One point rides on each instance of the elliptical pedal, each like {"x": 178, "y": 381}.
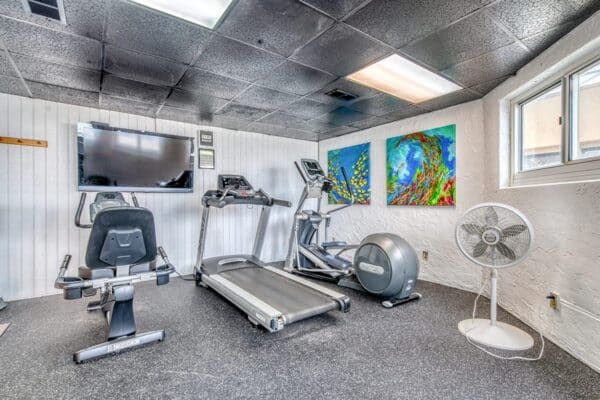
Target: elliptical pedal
{"x": 391, "y": 303}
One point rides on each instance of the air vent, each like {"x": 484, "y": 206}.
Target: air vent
{"x": 342, "y": 95}
{"x": 52, "y": 9}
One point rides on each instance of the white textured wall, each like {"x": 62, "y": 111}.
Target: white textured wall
{"x": 566, "y": 217}
{"x": 425, "y": 228}
{"x": 38, "y": 193}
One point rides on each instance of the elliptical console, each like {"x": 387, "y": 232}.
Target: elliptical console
{"x": 384, "y": 265}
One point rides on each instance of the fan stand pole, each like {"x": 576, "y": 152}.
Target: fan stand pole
{"x": 493, "y": 295}
{"x": 493, "y": 333}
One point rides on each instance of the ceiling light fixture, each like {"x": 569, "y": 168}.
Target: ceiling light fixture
{"x": 402, "y": 78}
{"x": 206, "y": 12}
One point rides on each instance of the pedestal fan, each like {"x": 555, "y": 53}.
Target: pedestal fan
{"x": 494, "y": 236}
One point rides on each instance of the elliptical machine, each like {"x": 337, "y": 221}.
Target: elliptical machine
{"x": 384, "y": 264}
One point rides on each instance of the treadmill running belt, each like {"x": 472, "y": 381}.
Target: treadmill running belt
{"x": 292, "y": 299}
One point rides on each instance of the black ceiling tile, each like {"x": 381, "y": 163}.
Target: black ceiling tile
{"x": 319, "y": 126}
{"x": 486, "y": 87}
{"x": 451, "y": 99}
{"x": 37, "y": 70}
{"x": 468, "y": 38}
{"x": 6, "y": 67}
{"x": 202, "y": 103}
{"x": 309, "y": 109}
{"x": 339, "y": 131}
{"x": 501, "y": 62}
{"x": 527, "y": 18}
{"x": 63, "y": 95}
{"x": 141, "y": 67}
{"x": 133, "y": 90}
{"x": 343, "y": 116}
{"x": 205, "y": 82}
{"x": 400, "y": 22}
{"x": 340, "y": 51}
{"x": 379, "y": 105}
{"x": 280, "y": 26}
{"x": 12, "y": 85}
{"x": 404, "y": 113}
{"x": 83, "y": 18}
{"x": 228, "y": 57}
{"x": 242, "y": 112}
{"x": 584, "y": 8}
{"x": 127, "y": 106}
{"x": 369, "y": 122}
{"x": 267, "y": 129}
{"x": 345, "y": 85}
{"x": 295, "y": 78}
{"x": 224, "y": 121}
{"x": 336, "y": 8}
{"x": 282, "y": 119}
{"x": 177, "y": 114}
{"x": 57, "y": 47}
{"x": 279, "y": 130}
{"x": 301, "y": 135}
{"x": 138, "y": 28}
{"x": 541, "y": 41}
{"x": 264, "y": 98}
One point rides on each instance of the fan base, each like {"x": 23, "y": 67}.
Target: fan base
{"x": 499, "y": 336}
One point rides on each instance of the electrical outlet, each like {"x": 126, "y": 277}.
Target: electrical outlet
{"x": 554, "y": 301}
{"x": 425, "y": 255}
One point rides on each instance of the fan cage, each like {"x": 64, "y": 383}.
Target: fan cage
{"x": 499, "y": 261}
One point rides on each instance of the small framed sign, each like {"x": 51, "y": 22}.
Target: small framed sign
{"x": 205, "y": 138}
{"x": 206, "y": 158}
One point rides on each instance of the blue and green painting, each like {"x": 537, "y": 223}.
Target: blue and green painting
{"x": 421, "y": 168}
{"x": 357, "y": 163}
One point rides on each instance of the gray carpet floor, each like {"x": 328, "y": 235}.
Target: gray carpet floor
{"x": 212, "y": 352}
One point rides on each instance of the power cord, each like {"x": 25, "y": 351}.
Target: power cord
{"x": 497, "y": 355}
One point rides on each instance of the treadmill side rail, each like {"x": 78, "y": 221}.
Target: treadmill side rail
{"x": 257, "y": 310}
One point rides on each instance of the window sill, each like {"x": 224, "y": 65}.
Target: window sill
{"x": 580, "y": 171}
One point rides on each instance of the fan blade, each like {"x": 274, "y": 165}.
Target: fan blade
{"x": 491, "y": 218}
{"x": 473, "y": 229}
{"x": 505, "y": 251}
{"x": 479, "y": 249}
{"x": 514, "y": 230}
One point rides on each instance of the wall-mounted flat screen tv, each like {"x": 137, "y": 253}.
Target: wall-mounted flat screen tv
{"x": 127, "y": 160}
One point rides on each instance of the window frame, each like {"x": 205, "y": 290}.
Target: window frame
{"x": 569, "y": 170}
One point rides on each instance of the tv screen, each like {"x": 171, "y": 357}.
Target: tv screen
{"x": 126, "y": 160}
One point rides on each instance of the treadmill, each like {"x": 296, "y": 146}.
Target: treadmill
{"x": 269, "y": 296}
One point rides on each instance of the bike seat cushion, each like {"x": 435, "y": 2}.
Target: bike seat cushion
{"x": 95, "y": 273}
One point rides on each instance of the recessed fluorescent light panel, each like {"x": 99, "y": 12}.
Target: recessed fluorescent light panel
{"x": 201, "y": 12}
{"x": 399, "y": 77}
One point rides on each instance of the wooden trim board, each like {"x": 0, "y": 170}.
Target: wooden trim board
{"x": 23, "y": 142}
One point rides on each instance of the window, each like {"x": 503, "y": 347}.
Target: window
{"x": 585, "y": 113}
{"x": 556, "y": 129}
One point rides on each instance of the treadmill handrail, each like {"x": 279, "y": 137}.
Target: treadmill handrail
{"x": 227, "y": 198}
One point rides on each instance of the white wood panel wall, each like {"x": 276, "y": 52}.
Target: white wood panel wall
{"x": 38, "y": 193}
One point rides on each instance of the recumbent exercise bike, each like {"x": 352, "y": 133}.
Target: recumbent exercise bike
{"x": 121, "y": 250}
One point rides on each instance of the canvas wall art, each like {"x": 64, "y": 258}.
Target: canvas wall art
{"x": 421, "y": 168}
{"x": 357, "y": 163}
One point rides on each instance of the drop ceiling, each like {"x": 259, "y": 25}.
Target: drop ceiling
{"x": 268, "y": 65}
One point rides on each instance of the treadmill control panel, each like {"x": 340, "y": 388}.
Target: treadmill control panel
{"x": 236, "y": 184}
{"x": 312, "y": 168}
{"x": 235, "y": 189}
